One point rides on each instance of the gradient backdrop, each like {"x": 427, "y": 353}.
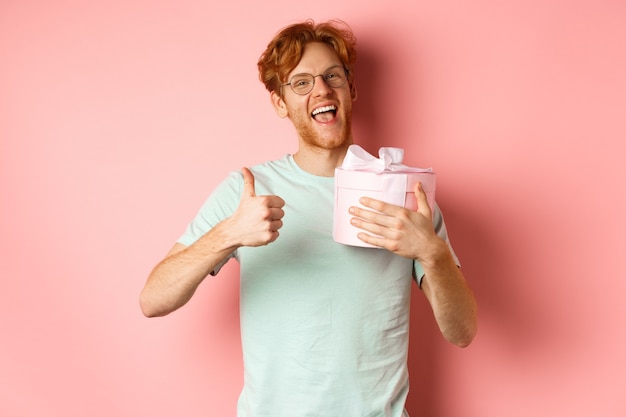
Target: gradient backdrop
{"x": 117, "y": 119}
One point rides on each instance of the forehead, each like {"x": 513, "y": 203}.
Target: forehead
{"x": 316, "y": 58}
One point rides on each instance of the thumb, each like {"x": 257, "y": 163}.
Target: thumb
{"x": 422, "y": 201}
{"x": 248, "y": 183}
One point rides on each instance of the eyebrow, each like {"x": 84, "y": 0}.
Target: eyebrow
{"x": 325, "y": 71}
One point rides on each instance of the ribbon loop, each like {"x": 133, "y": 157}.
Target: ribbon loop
{"x": 390, "y": 159}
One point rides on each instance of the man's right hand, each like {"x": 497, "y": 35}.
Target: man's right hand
{"x": 175, "y": 279}
{"x": 258, "y": 218}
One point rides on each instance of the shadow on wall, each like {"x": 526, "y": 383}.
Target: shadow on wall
{"x": 514, "y": 321}
{"x": 365, "y": 122}
{"x": 513, "y": 315}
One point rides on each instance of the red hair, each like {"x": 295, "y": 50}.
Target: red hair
{"x": 284, "y": 52}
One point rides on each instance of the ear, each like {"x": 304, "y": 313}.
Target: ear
{"x": 279, "y": 104}
{"x": 353, "y": 92}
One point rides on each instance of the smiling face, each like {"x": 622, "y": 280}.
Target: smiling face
{"x": 323, "y": 117}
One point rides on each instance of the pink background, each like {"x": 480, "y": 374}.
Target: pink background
{"x": 117, "y": 118}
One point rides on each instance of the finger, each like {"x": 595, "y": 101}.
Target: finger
{"x": 383, "y": 213}
{"x": 379, "y": 205}
{"x": 275, "y": 225}
{"x": 422, "y": 202}
{"x": 370, "y": 227}
{"x": 275, "y": 201}
{"x": 276, "y": 213}
{"x": 376, "y": 217}
{"x": 372, "y": 240}
{"x": 248, "y": 183}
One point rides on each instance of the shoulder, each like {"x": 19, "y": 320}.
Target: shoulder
{"x": 273, "y": 166}
{"x": 234, "y": 179}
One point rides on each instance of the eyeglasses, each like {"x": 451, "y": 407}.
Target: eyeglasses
{"x": 334, "y": 77}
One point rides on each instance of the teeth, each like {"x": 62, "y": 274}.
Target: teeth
{"x": 323, "y": 109}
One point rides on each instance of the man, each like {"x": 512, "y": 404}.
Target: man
{"x": 324, "y": 326}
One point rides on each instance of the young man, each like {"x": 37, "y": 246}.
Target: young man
{"x": 324, "y": 326}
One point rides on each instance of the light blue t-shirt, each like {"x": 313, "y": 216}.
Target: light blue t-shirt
{"x": 324, "y": 326}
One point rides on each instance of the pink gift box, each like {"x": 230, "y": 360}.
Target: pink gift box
{"x": 391, "y": 186}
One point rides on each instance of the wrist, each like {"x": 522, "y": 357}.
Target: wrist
{"x": 219, "y": 240}
{"x": 437, "y": 255}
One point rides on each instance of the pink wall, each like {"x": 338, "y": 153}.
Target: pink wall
{"x": 117, "y": 119}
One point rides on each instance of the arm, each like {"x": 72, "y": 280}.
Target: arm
{"x": 411, "y": 234}
{"x": 172, "y": 283}
{"x": 451, "y": 299}
{"x": 174, "y": 280}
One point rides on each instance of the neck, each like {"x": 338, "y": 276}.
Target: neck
{"x": 319, "y": 161}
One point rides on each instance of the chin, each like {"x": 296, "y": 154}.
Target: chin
{"x": 328, "y": 141}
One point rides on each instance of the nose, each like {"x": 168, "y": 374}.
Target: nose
{"x": 320, "y": 87}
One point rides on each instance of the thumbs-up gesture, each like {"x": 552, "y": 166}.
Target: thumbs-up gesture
{"x": 258, "y": 218}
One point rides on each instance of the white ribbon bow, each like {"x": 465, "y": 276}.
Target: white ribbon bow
{"x": 390, "y": 159}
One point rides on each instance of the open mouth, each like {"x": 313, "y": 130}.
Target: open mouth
{"x": 324, "y": 114}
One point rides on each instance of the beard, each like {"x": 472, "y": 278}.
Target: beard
{"x": 314, "y": 138}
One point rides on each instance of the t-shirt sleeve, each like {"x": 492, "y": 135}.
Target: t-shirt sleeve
{"x": 440, "y": 229}
{"x": 221, "y": 204}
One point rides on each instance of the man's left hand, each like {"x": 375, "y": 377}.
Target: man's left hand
{"x": 400, "y": 230}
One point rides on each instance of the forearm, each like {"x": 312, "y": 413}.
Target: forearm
{"x": 451, "y": 299}
{"x": 174, "y": 280}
